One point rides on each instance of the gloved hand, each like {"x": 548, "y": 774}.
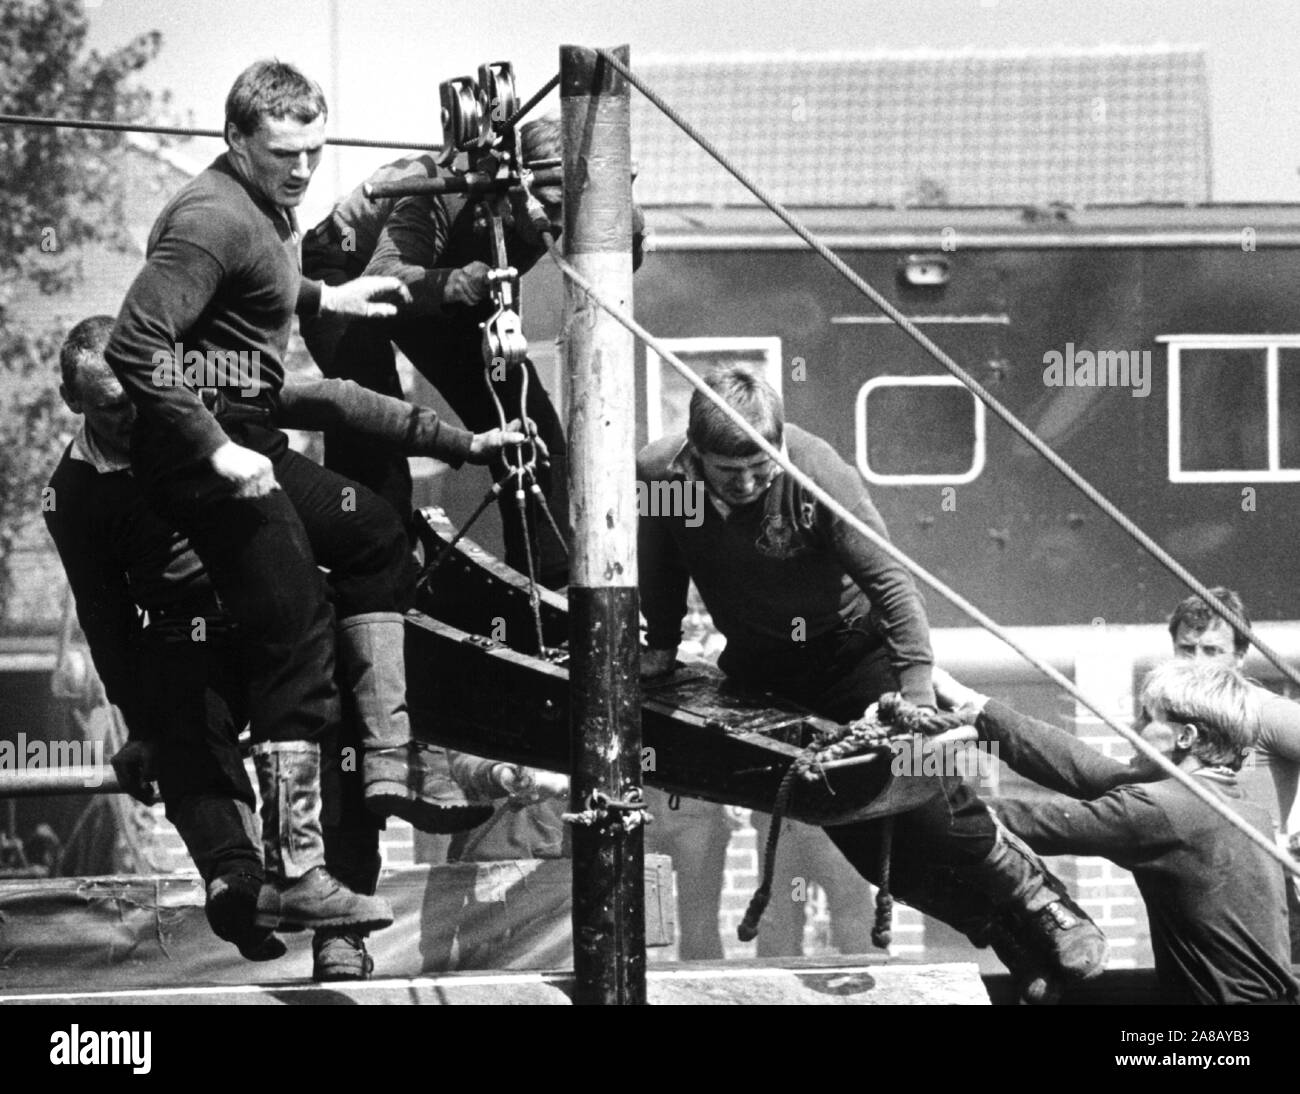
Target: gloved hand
{"x": 468, "y": 286}
{"x": 133, "y": 764}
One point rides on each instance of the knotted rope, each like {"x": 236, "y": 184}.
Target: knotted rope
{"x": 892, "y": 717}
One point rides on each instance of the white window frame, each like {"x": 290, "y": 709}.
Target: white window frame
{"x": 860, "y": 415}
{"x": 1270, "y": 344}
{"x": 654, "y": 365}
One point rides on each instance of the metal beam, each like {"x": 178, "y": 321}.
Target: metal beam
{"x": 42, "y": 782}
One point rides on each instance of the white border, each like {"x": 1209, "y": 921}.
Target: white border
{"x": 1270, "y": 344}
{"x": 860, "y": 415}
{"x": 654, "y": 365}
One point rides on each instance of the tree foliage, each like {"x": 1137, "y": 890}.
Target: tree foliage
{"x": 60, "y": 189}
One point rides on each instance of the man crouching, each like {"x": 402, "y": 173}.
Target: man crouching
{"x": 1214, "y": 899}
{"x": 819, "y": 615}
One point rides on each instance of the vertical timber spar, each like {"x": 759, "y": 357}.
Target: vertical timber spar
{"x": 604, "y": 642}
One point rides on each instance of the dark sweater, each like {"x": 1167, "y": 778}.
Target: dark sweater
{"x": 118, "y": 554}
{"x": 357, "y": 220}
{"x": 425, "y": 237}
{"x": 782, "y": 558}
{"x": 1215, "y": 901}
{"x": 221, "y": 274}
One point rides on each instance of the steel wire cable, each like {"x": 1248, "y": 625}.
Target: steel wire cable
{"x": 949, "y": 594}
{"x": 983, "y": 394}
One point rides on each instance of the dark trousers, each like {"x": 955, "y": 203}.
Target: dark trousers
{"x": 351, "y": 831}
{"x": 447, "y": 354}
{"x": 198, "y": 712}
{"x": 262, "y": 556}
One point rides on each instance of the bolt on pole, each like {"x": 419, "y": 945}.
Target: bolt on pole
{"x": 605, "y": 730}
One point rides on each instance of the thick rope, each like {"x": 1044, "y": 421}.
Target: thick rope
{"x": 918, "y": 571}
{"x": 35, "y": 122}
{"x": 748, "y": 929}
{"x": 882, "y": 932}
{"x": 892, "y": 716}
{"x": 983, "y": 394}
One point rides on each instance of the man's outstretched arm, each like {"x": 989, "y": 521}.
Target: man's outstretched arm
{"x": 1124, "y": 825}
{"x": 664, "y": 581}
{"x": 404, "y": 427}
{"x": 1040, "y": 752}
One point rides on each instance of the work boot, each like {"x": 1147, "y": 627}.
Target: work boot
{"x": 231, "y": 909}
{"x": 1038, "y": 915}
{"x": 220, "y": 834}
{"x": 340, "y": 955}
{"x": 300, "y": 894}
{"x": 940, "y": 894}
{"x": 403, "y": 777}
{"x": 1035, "y": 983}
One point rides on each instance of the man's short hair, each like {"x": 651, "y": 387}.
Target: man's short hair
{"x": 1198, "y": 615}
{"x": 84, "y": 349}
{"x": 1213, "y": 697}
{"x": 272, "y": 89}
{"x": 710, "y": 430}
{"x": 539, "y": 139}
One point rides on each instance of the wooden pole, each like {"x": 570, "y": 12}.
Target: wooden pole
{"x": 604, "y": 644}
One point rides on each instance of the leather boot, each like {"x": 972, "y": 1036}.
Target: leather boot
{"x": 219, "y": 833}
{"x": 299, "y": 892}
{"x": 403, "y": 777}
{"x": 1036, "y": 924}
{"x": 940, "y": 895}
{"x": 340, "y": 954}
{"x": 232, "y": 903}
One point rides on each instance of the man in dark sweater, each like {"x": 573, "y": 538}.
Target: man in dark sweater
{"x": 1214, "y": 899}
{"x": 814, "y": 613}
{"x": 439, "y": 247}
{"x": 176, "y": 675}
{"x": 1270, "y": 777}
{"x": 215, "y": 302}
{"x": 441, "y": 251}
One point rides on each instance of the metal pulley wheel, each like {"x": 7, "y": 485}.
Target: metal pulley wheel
{"x": 463, "y": 121}
{"x": 503, "y": 339}
{"x": 497, "y": 81}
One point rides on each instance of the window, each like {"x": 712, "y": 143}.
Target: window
{"x": 918, "y": 430}
{"x": 668, "y": 396}
{"x": 1234, "y": 407}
